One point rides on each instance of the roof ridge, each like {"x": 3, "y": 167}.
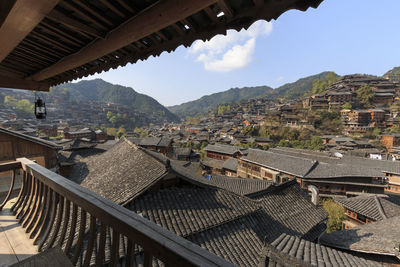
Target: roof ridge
{"x": 380, "y": 208}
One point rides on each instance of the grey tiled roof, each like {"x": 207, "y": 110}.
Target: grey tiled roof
{"x": 189, "y": 210}
{"x": 289, "y": 204}
{"x": 122, "y": 172}
{"x": 348, "y": 166}
{"x": 183, "y": 151}
{"x": 240, "y": 186}
{"x": 288, "y": 251}
{"x": 151, "y": 141}
{"x": 381, "y": 237}
{"x": 371, "y": 206}
{"x": 225, "y": 149}
{"x": 226, "y": 224}
{"x": 230, "y": 164}
{"x": 292, "y": 165}
{"x": 213, "y": 163}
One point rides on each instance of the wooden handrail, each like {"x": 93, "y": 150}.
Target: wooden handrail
{"x": 95, "y": 211}
{"x": 9, "y": 166}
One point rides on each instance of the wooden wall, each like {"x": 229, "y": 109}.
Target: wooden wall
{"x": 12, "y": 147}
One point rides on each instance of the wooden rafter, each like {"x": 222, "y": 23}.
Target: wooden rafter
{"x": 152, "y": 19}
{"x": 7, "y": 82}
{"x": 225, "y": 8}
{"x": 60, "y": 17}
{"x": 20, "y": 21}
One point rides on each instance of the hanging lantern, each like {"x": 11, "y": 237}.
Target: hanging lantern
{"x": 40, "y": 109}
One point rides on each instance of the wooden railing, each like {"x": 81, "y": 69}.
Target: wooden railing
{"x": 92, "y": 230}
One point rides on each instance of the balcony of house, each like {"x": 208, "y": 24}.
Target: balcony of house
{"x": 54, "y": 221}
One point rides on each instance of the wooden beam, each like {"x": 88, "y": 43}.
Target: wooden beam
{"x": 7, "y": 82}
{"x": 5, "y": 8}
{"x": 8, "y": 166}
{"x": 160, "y": 15}
{"x": 20, "y": 21}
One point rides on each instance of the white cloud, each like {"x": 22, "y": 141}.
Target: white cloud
{"x": 235, "y": 58}
{"x": 231, "y": 51}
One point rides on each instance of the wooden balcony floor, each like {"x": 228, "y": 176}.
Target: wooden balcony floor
{"x": 15, "y": 245}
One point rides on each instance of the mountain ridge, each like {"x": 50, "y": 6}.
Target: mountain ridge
{"x": 208, "y": 102}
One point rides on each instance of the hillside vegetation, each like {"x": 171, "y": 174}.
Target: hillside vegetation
{"x": 209, "y": 102}
{"x": 99, "y": 90}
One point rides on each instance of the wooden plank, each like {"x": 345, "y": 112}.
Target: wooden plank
{"x": 160, "y": 15}
{"x": 20, "y": 21}
{"x": 15, "y": 83}
{"x": 49, "y": 258}
{"x": 7, "y": 255}
{"x": 22, "y": 247}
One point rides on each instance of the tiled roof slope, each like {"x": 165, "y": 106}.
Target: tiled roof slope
{"x": 288, "y": 204}
{"x": 236, "y": 235}
{"x": 122, "y": 172}
{"x": 239, "y": 241}
{"x": 381, "y": 237}
{"x": 225, "y": 149}
{"x": 347, "y": 164}
{"x": 288, "y": 251}
{"x": 293, "y": 165}
{"x": 151, "y": 141}
{"x": 230, "y": 164}
{"x": 189, "y": 210}
{"x": 240, "y": 186}
{"x": 371, "y": 206}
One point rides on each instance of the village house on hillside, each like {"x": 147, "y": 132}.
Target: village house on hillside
{"x": 368, "y": 208}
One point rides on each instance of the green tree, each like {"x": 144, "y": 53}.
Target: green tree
{"x": 223, "y": 109}
{"x": 113, "y": 120}
{"x": 319, "y": 86}
{"x": 121, "y": 132}
{"x": 347, "y": 105}
{"x": 366, "y": 94}
{"x": 10, "y": 101}
{"x": 141, "y": 132}
{"x": 111, "y": 131}
{"x": 376, "y": 131}
{"x": 336, "y": 215}
{"x": 109, "y": 115}
{"x": 316, "y": 143}
{"x": 24, "y": 106}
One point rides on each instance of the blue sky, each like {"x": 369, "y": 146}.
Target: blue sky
{"x": 345, "y": 36}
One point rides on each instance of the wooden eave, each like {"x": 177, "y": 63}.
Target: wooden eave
{"x": 63, "y": 40}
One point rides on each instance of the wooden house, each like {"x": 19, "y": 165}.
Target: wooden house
{"x": 332, "y": 176}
